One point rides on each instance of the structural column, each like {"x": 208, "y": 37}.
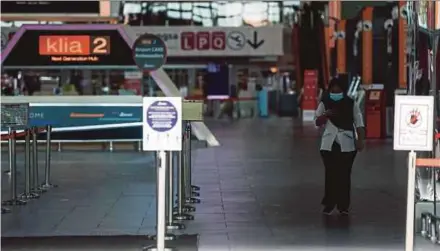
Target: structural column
{"x": 367, "y": 48}
{"x": 341, "y": 57}
{"x": 402, "y": 69}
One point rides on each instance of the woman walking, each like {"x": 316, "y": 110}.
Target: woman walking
{"x": 342, "y": 138}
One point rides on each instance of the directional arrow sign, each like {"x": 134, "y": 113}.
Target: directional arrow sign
{"x": 255, "y": 43}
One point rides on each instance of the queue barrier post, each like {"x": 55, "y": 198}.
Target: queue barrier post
{"x": 36, "y": 188}
{"x": 180, "y": 211}
{"x": 168, "y": 217}
{"x": 190, "y": 194}
{"x": 47, "y": 184}
{"x": 28, "y": 194}
{"x": 161, "y": 235}
{"x": 430, "y": 222}
{"x": 14, "y": 200}
{"x": 186, "y": 189}
{"x": 171, "y": 224}
{"x": 10, "y": 131}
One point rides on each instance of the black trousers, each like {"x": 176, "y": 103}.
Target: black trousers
{"x": 338, "y": 167}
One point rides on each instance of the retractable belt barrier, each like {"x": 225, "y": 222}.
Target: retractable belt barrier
{"x": 167, "y": 130}
{"x": 170, "y": 212}
{"x": 33, "y": 188}
{"x": 178, "y": 210}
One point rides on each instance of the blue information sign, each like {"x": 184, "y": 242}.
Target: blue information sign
{"x": 162, "y": 116}
{"x": 149, "y": 52}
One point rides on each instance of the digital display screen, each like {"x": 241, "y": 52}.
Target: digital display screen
{"x": 50, "y": 7}
{"x": 70, "y": 48}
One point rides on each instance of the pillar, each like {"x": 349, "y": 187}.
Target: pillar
{"x": 402, "y": 49}
{"x": 367, "y": 48}
{"x": 341, "y": 57}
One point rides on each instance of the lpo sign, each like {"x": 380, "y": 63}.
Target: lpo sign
{"x": 203, "y": 40}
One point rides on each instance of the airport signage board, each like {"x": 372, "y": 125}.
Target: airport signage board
{"x": 195, "y": 41}
{"x": 149, "y": 52}
{"x": 413, "y": 123}
{"x": 46, "y": 48}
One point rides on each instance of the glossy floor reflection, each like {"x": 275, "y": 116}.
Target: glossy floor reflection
{"x": 260, "y": 191}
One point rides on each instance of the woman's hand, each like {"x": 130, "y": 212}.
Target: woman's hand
{"x": 329, "y": 113}
{"x": 360, "y": 145}
{"x": 321, "y": 120}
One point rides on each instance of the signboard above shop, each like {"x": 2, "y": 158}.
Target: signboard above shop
{"x": 46, "y": 47}
{"x": 194, "y": 41}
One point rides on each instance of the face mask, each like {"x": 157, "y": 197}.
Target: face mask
{"x": 336, "y": 96}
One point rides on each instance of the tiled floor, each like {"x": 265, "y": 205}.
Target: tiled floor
{"x": 260, "y": 191}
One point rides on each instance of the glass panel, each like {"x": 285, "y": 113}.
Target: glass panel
{"x": 173, "y": 6}
{"x": 173, "y": 14}
{"x": 208, "y": 23}
{"x": 186, "y": 6}
{"x": 187, "y": 15}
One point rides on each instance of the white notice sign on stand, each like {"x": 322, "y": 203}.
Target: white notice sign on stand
{"x": 413, "y": 123}
{"x": 162, "y": 124}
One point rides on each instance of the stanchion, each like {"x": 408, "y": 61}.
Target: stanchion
{"x": 35, "y": 167}
{"x": 9, "y": 151}
{"x": 28, "y": 194}
{"x": 171, "y": 225}
{"x": 168, "y": 236}
{"x": 194, "y": 188}
{"x": 161, "y": 205}
{"x": 110, "y": 146}
{"x": 409, "y": 238}
{"x": 13, "y": 164}
{"x": 184, "y": 181}
{"x": 190, "y": 194}
{"x": 47, "y": 185}
{"x": 180, "y": 214}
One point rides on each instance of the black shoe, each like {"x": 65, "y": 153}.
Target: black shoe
{"x": 328, "y": 210}
{"x": 344, "y": 212}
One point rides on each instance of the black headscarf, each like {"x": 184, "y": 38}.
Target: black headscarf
{"x": 342, "y": 109}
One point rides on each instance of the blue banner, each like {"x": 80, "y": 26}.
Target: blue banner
{"x": 83, "y": 116}
{"x": 88, "y": 122}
